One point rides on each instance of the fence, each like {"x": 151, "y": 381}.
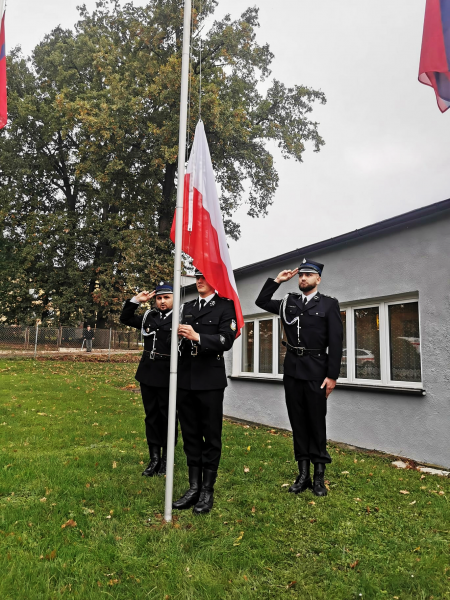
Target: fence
{"x": 59, "y": 339}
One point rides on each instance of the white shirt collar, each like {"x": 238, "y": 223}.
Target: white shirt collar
{"x": 207, "y": 299}
{"x": 308, "y": 298}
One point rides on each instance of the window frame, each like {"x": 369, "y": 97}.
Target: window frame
{"x": 385, "y": 347}
{"x": 349, "y": 307}
{"x": 237, "y": 349}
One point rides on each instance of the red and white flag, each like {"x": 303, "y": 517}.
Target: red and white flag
{"x": 3, "y": 108}
{"x": 203, "y": 232}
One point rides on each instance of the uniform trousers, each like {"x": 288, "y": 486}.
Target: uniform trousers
{"x": 156, "y": 406}
{"x": 307, "y": 408}
{"x": 201, "y": 416}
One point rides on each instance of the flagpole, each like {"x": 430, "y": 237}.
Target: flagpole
{"x": 2, "y": 8}
{"x": 177, "y": 262}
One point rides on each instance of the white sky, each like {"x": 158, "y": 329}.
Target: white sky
{"x": 386, "y": 140}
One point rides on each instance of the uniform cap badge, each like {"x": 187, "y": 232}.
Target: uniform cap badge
{"x": 304, "y": 260}
{"x": 161, "y": 283}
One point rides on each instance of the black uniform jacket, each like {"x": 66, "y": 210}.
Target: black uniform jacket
{"x": 153, "y": 372}
{"x": 319, "y": 327}
{"x": 216, "y": 324}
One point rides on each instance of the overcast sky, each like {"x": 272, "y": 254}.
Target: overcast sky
{"x": 386, "y": 148}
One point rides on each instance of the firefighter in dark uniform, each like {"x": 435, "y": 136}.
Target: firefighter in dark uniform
{"x": 207, "y": 330}
{"x": 153, "y": 372}
{"x": 313, "y": 328}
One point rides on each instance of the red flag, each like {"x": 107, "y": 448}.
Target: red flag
{"x": 203, "y": 232}
{"x": 434, "y": 69}
{"x": 3, "y": 108}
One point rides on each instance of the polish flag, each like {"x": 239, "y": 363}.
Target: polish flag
{"x": 3, "y": 109}
{"x": 203, "y": 232}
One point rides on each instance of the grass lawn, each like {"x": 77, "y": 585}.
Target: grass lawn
{"x": 78, "y": 520}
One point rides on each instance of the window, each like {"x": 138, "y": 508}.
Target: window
{"x": 260, "y": 351}
{"x": 382, "y": 344}
{"x": 248, "y": 338}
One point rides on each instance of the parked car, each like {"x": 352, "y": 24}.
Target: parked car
{"x": 362, "y": 356}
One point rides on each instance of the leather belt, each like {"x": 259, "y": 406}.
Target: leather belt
{"x": 156, "y": 355}
{"x": 299, "y": 351}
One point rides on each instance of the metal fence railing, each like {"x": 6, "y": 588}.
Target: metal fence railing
{"x": 18, "y": 339}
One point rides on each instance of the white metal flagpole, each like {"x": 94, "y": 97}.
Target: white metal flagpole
{"x": 177, "y": 263}
{"x": 2, "y": 8}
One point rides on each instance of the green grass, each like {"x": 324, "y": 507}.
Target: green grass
{"x": 63, "y": 427}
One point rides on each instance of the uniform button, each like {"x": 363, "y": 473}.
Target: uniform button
{"x": 196, "y": 323}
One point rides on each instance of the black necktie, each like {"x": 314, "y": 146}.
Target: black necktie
{"x": 202, "y": 304}
{"x": 305, "y": 300}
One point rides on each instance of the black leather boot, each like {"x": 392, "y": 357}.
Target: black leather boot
{"x": 192, "y": 495}
{"x": 163, "y": 465}
{"x": 155, "y": 462}
{"x": 303, "y": 481}
{"x": 206, "y": 499}
{"x": 319, "y": 488}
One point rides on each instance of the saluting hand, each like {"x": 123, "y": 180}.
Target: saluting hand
{"x": 145, "y": 296}
{"x": 187, "y": 332}
{"x": 286, "y": 275}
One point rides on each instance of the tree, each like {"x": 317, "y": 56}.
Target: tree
{"x": 89, "y": 159}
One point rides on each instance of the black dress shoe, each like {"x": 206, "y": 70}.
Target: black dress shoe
{"x": 319, "y": 488}
{"x": 155, "y": 462}
{"x": 192, "y": 495}
{"x": 163, "y": 465}
{"x": 303, "y": 481}
{"x": 206, "y": 499}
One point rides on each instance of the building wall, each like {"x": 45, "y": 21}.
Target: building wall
{"x": 414, "y": 258}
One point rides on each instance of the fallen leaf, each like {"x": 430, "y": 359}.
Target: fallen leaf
{"x": 289, "y": 585}
{"x": 345, "y": 473}
{"x": 246, "y": 470}
{"x": 253, "y": 509}
{"x": 422, "y": 477}
{"x": 248, "y": 448}
{"x": 357, "y": 499}
{"x": 51, "y": 556}
{"x": 404, "y": 492}
{"x": 285, "y": 485}
{"x": 312, "y": 520}
{"x": 353, "y": 565}
{"x": 413, "y": 502}
{"x": 312, "y": 502}
{"x": 368, "y": 509}
{"x": 237, "y": 540}
{"x": 114, "y": 465}
{"x": 441, "y": 493}
{"x": 69, "y": 523}
{"x": 355, "y": 460}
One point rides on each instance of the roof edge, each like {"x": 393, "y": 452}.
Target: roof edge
{"x": 397, "y": 221}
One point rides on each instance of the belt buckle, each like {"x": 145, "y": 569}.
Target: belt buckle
{"x": 300, "y": 351}
{"x": 194, "y": 351}
{"x": 152, "y": 355}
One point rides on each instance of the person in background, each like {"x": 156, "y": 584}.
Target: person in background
{"x": 88, "y": 337}
{"x": 153, "y": 372}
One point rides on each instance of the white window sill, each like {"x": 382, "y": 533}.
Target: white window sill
{"x": 386, "y": 389}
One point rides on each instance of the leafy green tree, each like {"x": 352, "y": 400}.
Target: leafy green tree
{"x": 88, "y": 170}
